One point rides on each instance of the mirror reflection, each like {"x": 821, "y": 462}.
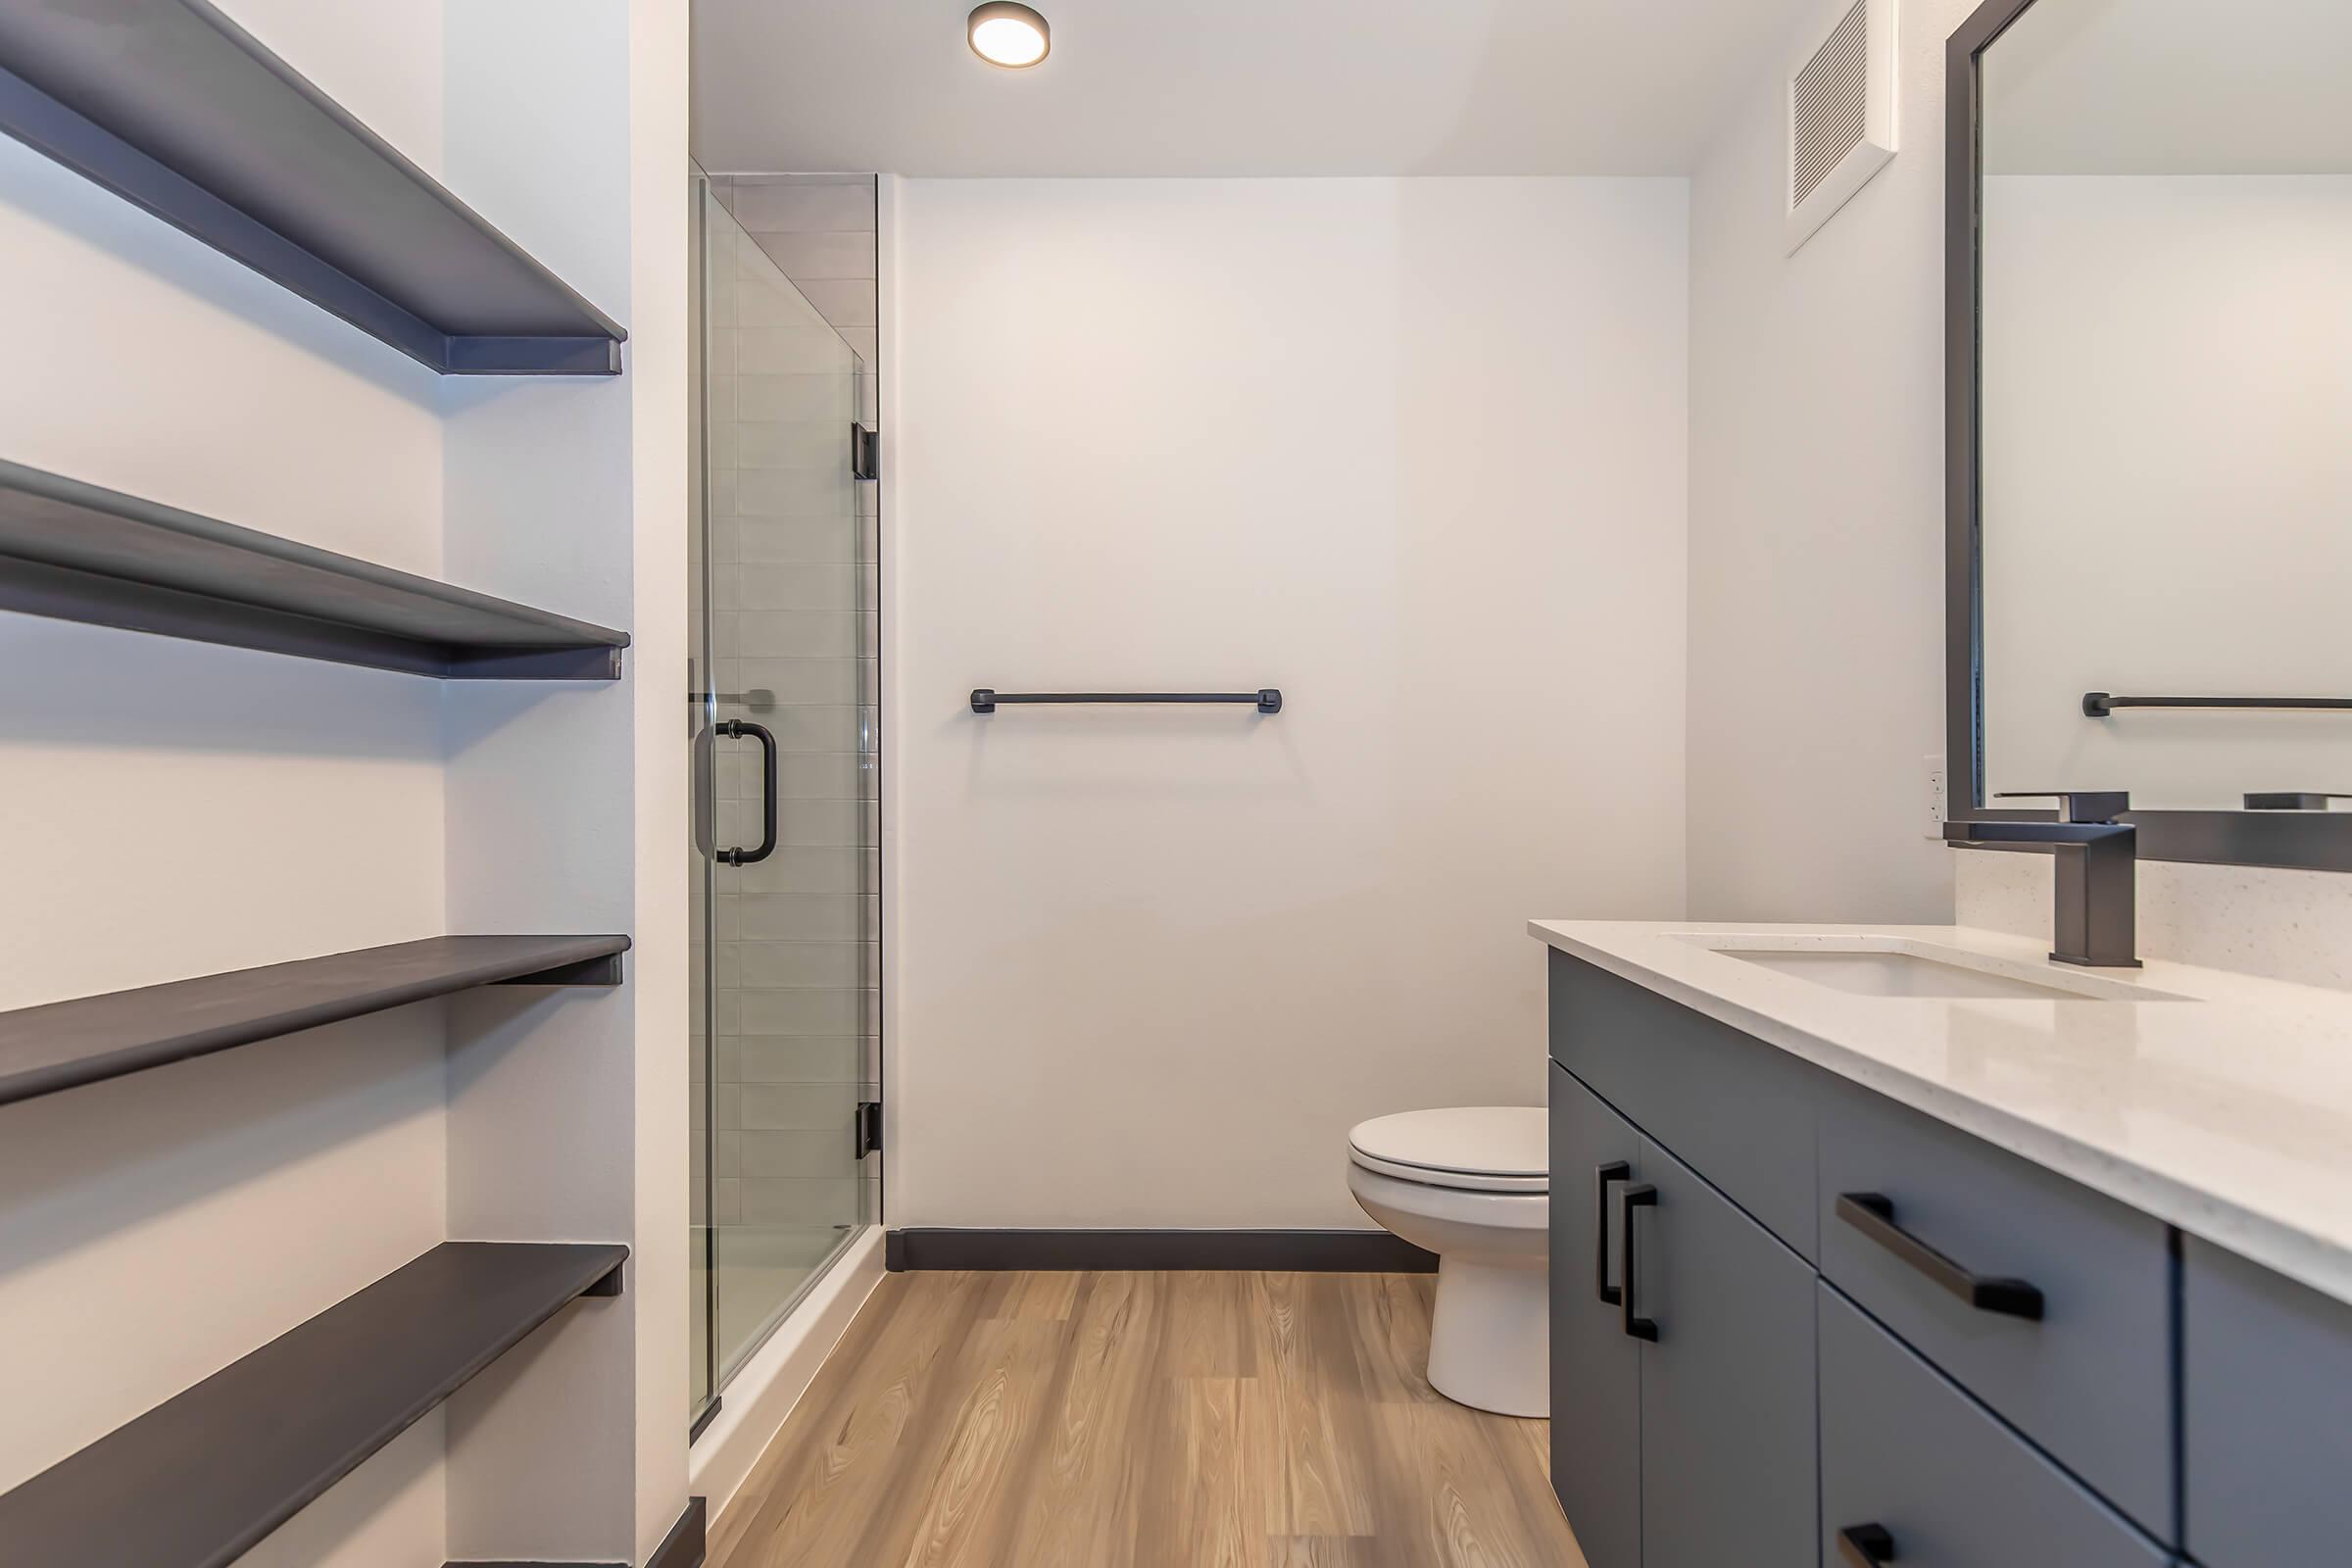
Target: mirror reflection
{"x": 2166, "y": 335}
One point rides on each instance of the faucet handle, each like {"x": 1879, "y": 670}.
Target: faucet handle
{"x": 2078, "y": 806}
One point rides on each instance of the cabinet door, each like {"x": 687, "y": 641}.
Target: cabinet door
{"x": 1904, "y": 1451}
{"x": 1596, "y": 1370}
{"x": 1729, "y": 1458}
{"x": 2268, "y": 1436}
{"x": 2090, "y": 1380}
{"x": 1737, "y": 1111}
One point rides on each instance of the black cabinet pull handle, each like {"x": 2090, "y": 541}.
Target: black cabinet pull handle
{"x": 1632, "y": 1197}
{"x": 1602, "y": 1176}
{"x": 1866, "y": 1545}
{"x": 737, "y": 729}
{"x": 1873, "y": 1214}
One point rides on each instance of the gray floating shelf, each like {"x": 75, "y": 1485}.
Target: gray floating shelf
{"x": 174, "y": 108}
{"x": 196, "y": 1481}
{"x": 63, "y": 1044}
{"x": 72, "y": 550}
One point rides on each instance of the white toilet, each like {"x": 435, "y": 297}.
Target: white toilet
{"x": 1471, "y": 1185}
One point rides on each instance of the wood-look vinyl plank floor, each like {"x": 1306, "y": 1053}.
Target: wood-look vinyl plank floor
{"x": 1111, "y": 1420}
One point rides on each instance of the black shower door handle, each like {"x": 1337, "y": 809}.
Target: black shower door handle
{"x": 1604, "y": 1177}
{"x": 736, "y": 730}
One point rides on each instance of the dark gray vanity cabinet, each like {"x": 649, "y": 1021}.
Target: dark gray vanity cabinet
{"x": 1728, "y": 1463}
{"x": 1741, "y": 1116}
{"x": 1595, "y": 1365}
{"x": 1682, "y": 1418}
{"x": 2088, "y": 1376}
{"x": 2266, "y": 1364}
{"x": 1907, "y": 1452}
{"x": 1977, "y": 1360}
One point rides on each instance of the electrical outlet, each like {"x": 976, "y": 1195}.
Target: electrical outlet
{"x": 1939, "y": 802}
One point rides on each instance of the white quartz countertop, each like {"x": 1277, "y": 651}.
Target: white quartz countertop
{"x": 2226, "y": 1111}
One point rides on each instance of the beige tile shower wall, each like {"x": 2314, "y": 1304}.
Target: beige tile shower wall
{"x": 819, "y": 231}
{"x": 796, "y": 938}
{"x": 700, "y": 388}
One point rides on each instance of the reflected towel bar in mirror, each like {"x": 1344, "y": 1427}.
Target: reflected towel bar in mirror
{"x": 2098, "y": 705}
{"x": 1266, "y": 699}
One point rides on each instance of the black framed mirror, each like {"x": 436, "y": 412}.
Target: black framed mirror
{"x": 2148, "y": 535}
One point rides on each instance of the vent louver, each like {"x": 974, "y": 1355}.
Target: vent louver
{"x": 1829, "y": 95}
{"x": 1840, "y": 114}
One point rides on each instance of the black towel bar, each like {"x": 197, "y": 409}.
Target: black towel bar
{"x": 1267, "y": 701}
{"x": 2098, "y": 705}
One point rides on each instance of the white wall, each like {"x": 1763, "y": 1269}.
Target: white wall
{"x": 2167, "y": 478}
{"x": 660, "y": 475}
{"x": 568, "y": 1117}
{"x": 1411, "y": 451}
{"x": 175, "y": 809}
{"x": 1817, "y": 523}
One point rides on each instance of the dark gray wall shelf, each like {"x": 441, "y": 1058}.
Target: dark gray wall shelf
{"x": 62, "y": 1045}
{"x": 178, "y": 109}
{"x": 72, "y": 550}
{"x": 196, "y": 1481}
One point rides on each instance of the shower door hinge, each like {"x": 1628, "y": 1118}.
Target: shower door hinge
{"x": 865, "y": 453}
{"x": 867, "y": 1128}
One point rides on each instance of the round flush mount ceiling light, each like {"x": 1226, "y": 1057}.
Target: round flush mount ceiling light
{"x": 1006, "y": 34}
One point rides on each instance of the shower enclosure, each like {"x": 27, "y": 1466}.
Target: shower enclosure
{"x": 784, "y": 849}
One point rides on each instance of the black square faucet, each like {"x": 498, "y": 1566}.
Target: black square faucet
{"x": 2094, "y": 922}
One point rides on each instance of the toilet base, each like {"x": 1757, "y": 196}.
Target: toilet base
{"x": 1489, "y": 1342}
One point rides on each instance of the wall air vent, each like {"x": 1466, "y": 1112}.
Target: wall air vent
{"x": 1841, "y": 115}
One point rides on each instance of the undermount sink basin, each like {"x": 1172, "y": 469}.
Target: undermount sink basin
{"x": 1877, "y": 967}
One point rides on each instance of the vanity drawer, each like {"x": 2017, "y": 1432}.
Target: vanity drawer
{"x": 1733, "y": 1108}
{"x": 2090, "y": 1379}
{"x": 2266, "y": 1366}
{"x": 1904, "y": 1449}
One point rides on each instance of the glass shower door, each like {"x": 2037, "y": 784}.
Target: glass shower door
{"x": 787, "y": 864}
{"x": 702, "y": 1240}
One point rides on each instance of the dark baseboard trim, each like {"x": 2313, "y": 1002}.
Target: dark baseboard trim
{"x": 683, "y": 1546}
{"x": 1308, "y": 1252}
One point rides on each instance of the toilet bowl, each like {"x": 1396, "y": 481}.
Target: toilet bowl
{"x": 1471, "y": 1185}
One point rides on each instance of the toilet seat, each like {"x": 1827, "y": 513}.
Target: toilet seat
{"x": 1471, "y": 1185}
{"x": 1474, "y": 1149}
